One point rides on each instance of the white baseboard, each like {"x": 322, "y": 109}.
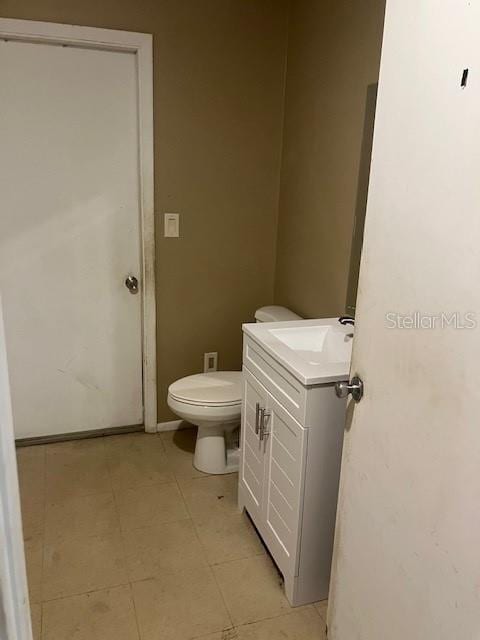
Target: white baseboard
{"x": 172, "y": 425}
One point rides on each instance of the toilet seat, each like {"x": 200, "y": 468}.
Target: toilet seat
{"x": 215, "y": 389}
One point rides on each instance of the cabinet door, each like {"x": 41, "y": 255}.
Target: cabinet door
{"x": 252, "y": 461}
{"x": 285, "y": 444}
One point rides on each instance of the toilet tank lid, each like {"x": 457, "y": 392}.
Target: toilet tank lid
{"x": 275, "y": 313}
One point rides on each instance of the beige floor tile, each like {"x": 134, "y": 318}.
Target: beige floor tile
{"x": 136, "y": 460}
{"x": 75, "y": 448}
{"x": 150, "y": 506}
{"x": 34, "y": 561}
{"x": 36, "y": 615}
{"x": 226, "y": 538}
{"x": 81, "y": 516}
{"x": 31, "y": 453}
{"x": 179, "y": 448}
{"x": 106, "y": 615}
{"x": 76, "y": 468}
{"x": 321, "y": 607}
{"x": 31, "y": 484}
{"x": 31, "y": 472}
{"x": 252, "y": 589}
{"x": 139, "y": 441}
{"x": 33, "y": 516}
{"x": 176, "y": 595}
{"x": 31, "y": 479}
{"x": 226, "y": 634}
{"x": 210, "y": 497}
{"x": 180, "y": 605}
{"x": 298, "y": 625}
{"x": 76, "y": 565}
{"x": 167, "y": 547}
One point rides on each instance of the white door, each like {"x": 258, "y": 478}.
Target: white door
{"x": 69, "y": 236}
{"x": 407, "y": 557}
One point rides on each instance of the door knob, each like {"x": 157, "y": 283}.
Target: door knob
{"x": 354, "y": 388}
{"x": 131, "y": 283}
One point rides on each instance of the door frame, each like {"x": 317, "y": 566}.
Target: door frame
{"x": 139, "y": 44}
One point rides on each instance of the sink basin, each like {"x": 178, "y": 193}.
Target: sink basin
{"x": 314, "y": 351}
{"x": 317, "y": 344}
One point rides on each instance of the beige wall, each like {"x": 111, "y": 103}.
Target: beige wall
{"x": 333, "y": 57}
{"x": 219, "y": 77}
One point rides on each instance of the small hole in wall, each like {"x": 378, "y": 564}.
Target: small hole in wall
{"x": 463, "y": 84}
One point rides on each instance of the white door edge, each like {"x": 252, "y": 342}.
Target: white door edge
{"x": 14, "y": 604}
{"x": 141, "y": 45}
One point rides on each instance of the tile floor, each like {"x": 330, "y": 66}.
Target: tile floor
{"x": 125, "y": 540}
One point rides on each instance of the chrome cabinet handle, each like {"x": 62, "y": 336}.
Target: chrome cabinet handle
{"x": 257, "y": 417}
{"x": 264, "y": 413}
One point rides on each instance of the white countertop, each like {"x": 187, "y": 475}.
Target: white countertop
{"x": 314, "y": 351}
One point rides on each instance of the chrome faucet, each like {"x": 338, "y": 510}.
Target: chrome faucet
{"x": 347, "y": 320}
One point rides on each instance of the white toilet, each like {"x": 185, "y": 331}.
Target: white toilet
{"x": 212, "y": 401}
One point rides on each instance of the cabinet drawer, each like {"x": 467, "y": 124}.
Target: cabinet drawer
{"x": 278, "y": 381}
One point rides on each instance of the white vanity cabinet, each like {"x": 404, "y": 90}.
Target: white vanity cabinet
{"x": 291, "y": 441}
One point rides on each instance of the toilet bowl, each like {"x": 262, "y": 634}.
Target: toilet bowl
{"x": 212, "y": 402}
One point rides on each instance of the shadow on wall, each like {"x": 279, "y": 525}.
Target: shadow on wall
{"x": 362, "y": 197}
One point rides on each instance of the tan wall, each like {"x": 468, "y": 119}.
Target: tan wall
{"x": 219, "y": 77}
{"x": 333, "y": 57}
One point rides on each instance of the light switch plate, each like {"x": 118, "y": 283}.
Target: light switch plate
{"x": 172, "y": 225}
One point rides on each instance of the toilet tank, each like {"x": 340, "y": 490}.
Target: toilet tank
{"x": 275, "y": 313}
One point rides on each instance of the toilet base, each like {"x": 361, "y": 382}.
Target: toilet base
{"x": 215, "y": 450}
